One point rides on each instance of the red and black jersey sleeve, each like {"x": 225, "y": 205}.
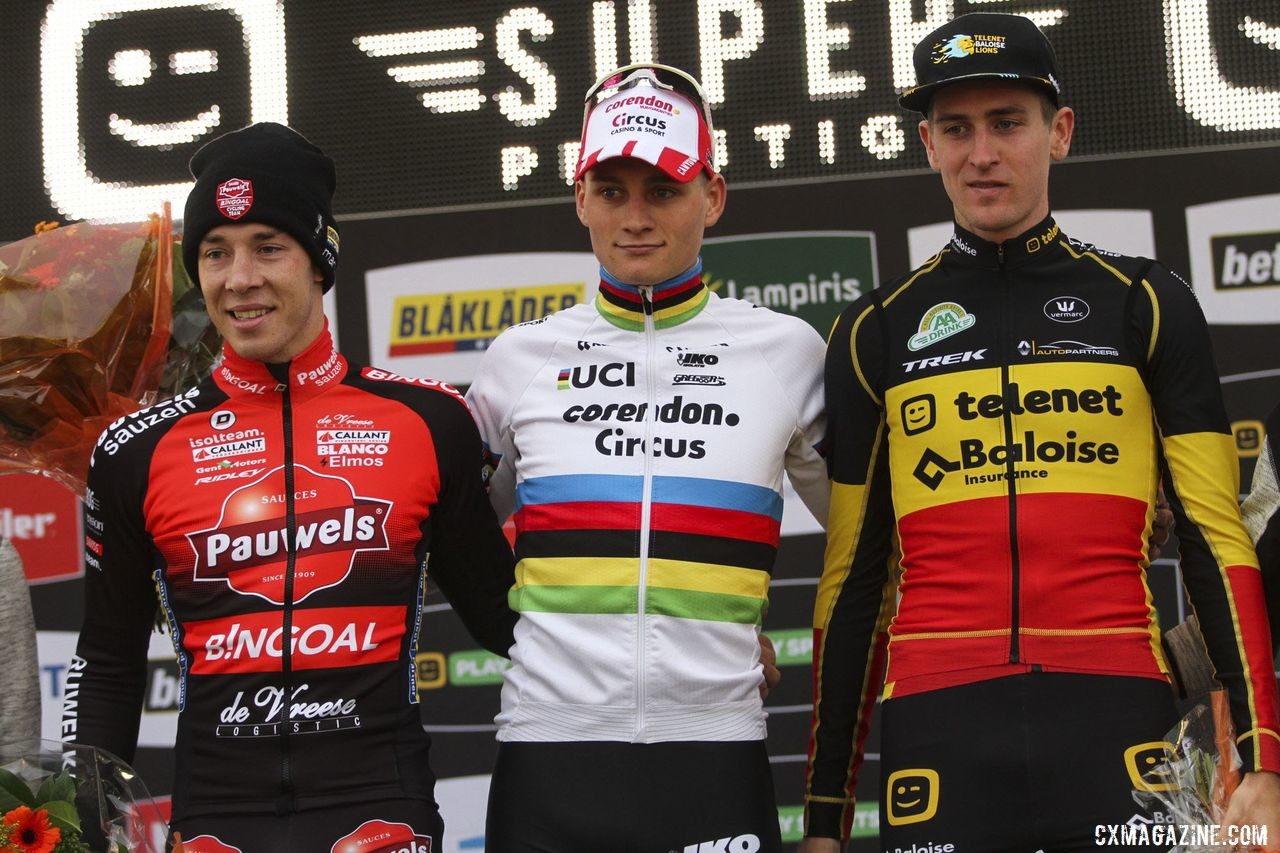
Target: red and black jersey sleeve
{"x": 105, "y": 684}
{"x": 1262, "y": 517}
{"x": 856, "y": 591}
{"x": 1202, "y": 480}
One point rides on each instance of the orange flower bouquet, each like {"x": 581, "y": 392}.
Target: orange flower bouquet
{"x": 79, "y": 801}
{"x": 96, "y": 321}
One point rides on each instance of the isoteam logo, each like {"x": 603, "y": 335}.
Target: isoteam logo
{"x": 249, "y": 546}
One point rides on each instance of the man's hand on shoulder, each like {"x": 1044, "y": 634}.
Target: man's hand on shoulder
{"x": 1256, "y": 803}
{"x": 768, "y": 660}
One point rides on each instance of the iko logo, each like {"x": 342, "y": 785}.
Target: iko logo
{"x": 941, "y": 321}
{"x": 732, "y": 844}
{"x": 222, "y": 419}
{"x": 613, "y": 375}
{"x": 1246, "y": 260}
{"x": 696, "y": 359}
{"x": 1066, "y": 309}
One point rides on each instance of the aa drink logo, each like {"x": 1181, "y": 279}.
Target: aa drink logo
{"x": 248, "y": 548}
{"x": 812, "y": 275}
{"x": 379, "y": 836}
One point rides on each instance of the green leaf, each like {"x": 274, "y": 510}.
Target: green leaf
{"x": 64, "y": 787}
{"x": 45, "y": 794}
{"x": 63, "y": 815}
{"x": 13, "y": 791}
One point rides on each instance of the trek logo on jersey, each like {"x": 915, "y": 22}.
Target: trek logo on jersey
{"x": 380, "y": 836}
{"x": 1066, "y": 309}
{"x": 941, "y": 321}
{"x": 1059, "y": 348}
{"x": 321, "y": 638}
{"x": 613, "y": 375}
{"x": 941, "y": 360}
{"x": 732, "y": 844}
{"x": 248, "y": 547}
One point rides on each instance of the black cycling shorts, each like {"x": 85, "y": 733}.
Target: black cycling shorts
{"x": 1041, "y": 761}
{"x": 393, "y": 826}
{"x": 632, "y": 798}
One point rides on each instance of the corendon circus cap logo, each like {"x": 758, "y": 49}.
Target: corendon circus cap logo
{"x": 248, "y": 547}
{"x": 941, "y": 321}
{"x": 379, "y": 836}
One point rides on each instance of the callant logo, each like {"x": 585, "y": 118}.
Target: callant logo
{"x": 380, "y": 836}
{"x": 248, "y": 548}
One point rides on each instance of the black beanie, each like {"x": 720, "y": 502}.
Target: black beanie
{"x": 266, "y": 173}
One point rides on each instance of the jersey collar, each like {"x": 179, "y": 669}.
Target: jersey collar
{"x": 310, "y": 372}
{"x": 1044, "y": 235}
{"x": 674, "y": 301}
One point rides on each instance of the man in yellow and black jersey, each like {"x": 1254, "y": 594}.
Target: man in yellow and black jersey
{"x": 998, "y": 422}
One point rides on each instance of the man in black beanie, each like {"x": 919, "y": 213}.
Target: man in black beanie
{"x": 999, "y": 420}
{"x": 289, "y": 495}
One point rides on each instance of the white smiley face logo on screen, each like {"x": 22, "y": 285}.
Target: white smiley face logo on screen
{"x": 175, "y": 91}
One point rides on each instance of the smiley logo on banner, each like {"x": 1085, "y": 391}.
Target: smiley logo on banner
{"x": 248, "y": 548}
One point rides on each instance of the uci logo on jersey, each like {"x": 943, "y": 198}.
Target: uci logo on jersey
{"x": 613, "y": 375}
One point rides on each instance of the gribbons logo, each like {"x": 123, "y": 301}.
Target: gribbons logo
{"x": 941, "y": 321}
{"x": 380, "y": 836}
{"x": 247, "y": 548}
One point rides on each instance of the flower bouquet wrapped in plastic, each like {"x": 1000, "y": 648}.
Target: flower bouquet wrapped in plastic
{"x": 79, "y": 801}
{"x": 96, "y": 321}
{"x": 1200, "y": 771}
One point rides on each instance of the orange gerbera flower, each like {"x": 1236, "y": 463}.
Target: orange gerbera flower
{"x": 31, "y": 830}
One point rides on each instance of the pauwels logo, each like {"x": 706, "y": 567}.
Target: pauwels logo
{"x": 941, "y": 321}
{"x": 234, "y": 197}
{"x": 380, "y": 836}
{"x": 248, "y": 548}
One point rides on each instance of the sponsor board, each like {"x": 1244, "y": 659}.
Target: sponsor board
{"x": 159, "y": 724}
{"x": 435, "y": 318}
{"x": 1129, "y": 232}
{"x": 476, "y": 667}
{"x": 462, "y": 802}
{"x": 42, "y": 520}
{"x": 811, "y": 274}
{"x": 866, "y": 821}
{"x": 1235, "y": 259}
{"x": 794, "y": 646}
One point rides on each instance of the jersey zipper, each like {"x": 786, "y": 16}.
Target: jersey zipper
{"x": 285, "y": 802}
{"x": 646, "y": 512}
{"x": 1006, "y": 357}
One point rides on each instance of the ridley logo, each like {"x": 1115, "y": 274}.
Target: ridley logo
{"x": 234, "y": 197}
{"x": 248, "y": 548}
{"x": 379, "y": 836}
